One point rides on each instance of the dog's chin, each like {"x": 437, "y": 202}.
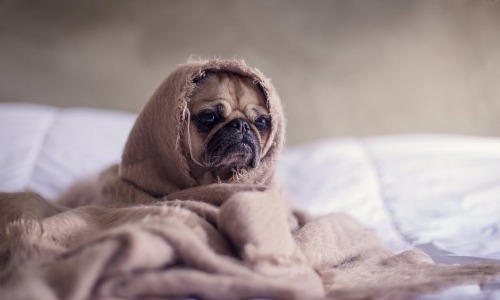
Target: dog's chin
{"x": 227, "y": 161}
{"x": 240, "y": 155}
{"x": 233, "y": 157}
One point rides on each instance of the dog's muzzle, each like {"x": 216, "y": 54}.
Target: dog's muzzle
{"x": 235, "y": 145}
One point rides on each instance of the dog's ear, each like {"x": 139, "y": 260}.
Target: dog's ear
{"x": 199, "y": 78}
{"x": 204, "y": 74}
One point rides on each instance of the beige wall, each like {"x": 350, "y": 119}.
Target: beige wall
{"x": 341, "y": 67}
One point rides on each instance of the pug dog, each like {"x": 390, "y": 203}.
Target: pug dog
{"x": 229, "y": 125}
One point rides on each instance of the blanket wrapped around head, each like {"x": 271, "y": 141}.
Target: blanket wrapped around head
{"x": 149, "y": 228}
{"x": 155, "y": 158}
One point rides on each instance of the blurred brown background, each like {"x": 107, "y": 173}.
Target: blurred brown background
{"x": 341, "y": 67}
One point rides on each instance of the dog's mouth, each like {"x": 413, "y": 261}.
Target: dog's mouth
{"x": 232, "y": 151}
{"x": 239, "y": 155}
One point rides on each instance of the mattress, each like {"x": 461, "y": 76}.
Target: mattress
{"x": 440, "y": 193}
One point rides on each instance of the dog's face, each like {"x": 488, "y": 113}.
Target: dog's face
{"x": 229, "y": 124}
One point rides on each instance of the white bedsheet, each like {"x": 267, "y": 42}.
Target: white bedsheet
{"x": 438, "y": 192}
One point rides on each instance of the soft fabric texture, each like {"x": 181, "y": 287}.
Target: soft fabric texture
{"x": 242, "y": 249}
{"x": 153, "y": 232}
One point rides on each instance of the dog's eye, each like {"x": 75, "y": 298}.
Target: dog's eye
{"x": 261, "y": 123}
{"x": 207, "y": 119}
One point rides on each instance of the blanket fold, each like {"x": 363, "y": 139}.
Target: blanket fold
{"x": 165, "y": 251}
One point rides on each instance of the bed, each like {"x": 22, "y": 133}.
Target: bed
{"x": 437, "y": 192}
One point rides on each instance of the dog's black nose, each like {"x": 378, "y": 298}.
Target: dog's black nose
{"x": 240, "y": 124}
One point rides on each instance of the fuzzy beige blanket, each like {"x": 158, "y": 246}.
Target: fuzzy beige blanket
{"x": 146, "y": 229}
{"x": 171, "y": 250}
